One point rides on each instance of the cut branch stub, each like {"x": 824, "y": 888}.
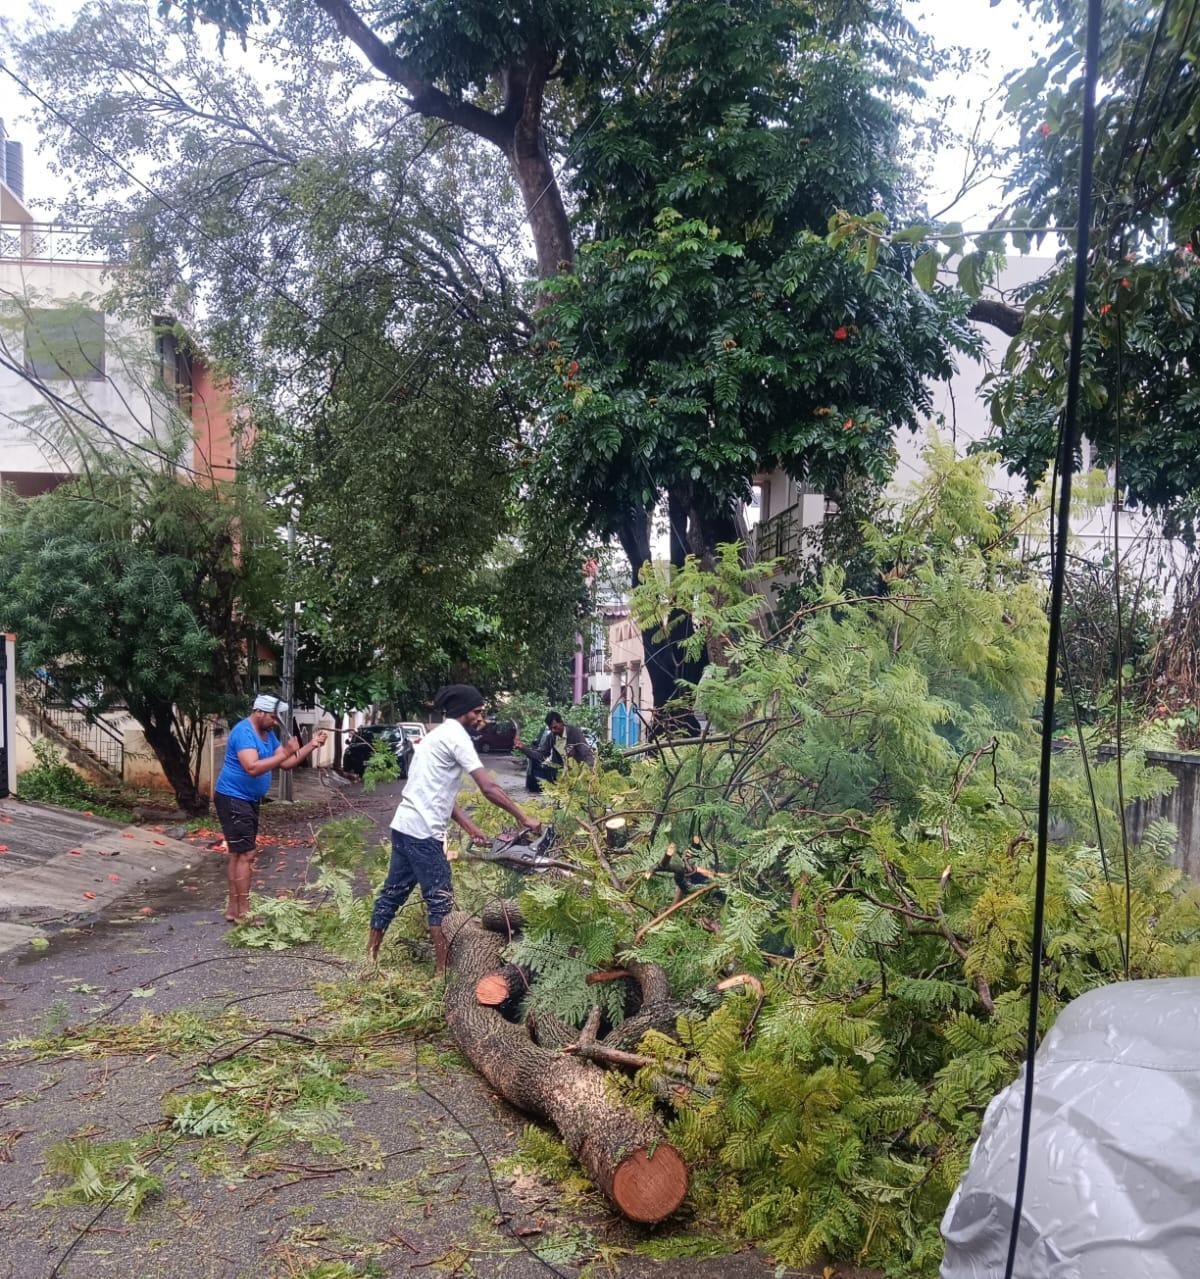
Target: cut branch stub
{"x": 616, "y": 832}
{"x": 624, "y": 1152}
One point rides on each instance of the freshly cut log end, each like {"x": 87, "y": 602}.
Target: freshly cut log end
{"x": 650, "y": 1187}
{"x": 616, "y": 833}
{"x": 495, "y": 990}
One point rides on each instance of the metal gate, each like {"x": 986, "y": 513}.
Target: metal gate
{"x": 8, "y": 716}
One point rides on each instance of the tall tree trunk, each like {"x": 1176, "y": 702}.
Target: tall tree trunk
{"x": 534, "y": 172}
{"x": 516, "y": 128}
{"x": 157, "y": 723}
{"x": 662, "y": 651}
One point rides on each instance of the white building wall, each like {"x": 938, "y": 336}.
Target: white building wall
{"x": 124, "y": 401}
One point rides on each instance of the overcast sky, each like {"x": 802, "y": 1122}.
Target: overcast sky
{"x": 1003, "y": 33}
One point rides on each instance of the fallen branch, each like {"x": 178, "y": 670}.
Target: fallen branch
{"x": 671, "y": 909}
{"x": 623, "y": 1151}
{"x": 282, "y": 1034}
{"x": 592, "y": 1049}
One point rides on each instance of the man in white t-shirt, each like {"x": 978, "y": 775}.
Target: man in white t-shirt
{"x": 430, "y": 800}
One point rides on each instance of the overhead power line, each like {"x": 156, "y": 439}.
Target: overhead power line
{"x": 1068, "y": 431}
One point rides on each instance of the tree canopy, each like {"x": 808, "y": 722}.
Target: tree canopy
{"x": 131, "y": 585}
{"x": 1141, "y": 353}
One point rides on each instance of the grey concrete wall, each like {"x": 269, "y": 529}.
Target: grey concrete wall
{"x": 1181, "y": 806}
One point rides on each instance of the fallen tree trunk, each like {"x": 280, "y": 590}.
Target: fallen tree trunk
{"x": 624, "y": 1152}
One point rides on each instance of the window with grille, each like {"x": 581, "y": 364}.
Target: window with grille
{"x": 64, "y": 344}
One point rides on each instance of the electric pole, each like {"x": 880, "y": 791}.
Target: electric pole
{"x": 289, "y": 656}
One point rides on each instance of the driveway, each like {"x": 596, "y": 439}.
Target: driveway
{"x": 57, "y": 866}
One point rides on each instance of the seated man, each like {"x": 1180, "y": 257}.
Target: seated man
{"x": 559, "y": 742}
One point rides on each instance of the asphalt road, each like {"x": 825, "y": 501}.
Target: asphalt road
{"x": 417, "y": 1190}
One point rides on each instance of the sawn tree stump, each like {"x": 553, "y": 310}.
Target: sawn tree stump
{"x": 624, "y": 1153}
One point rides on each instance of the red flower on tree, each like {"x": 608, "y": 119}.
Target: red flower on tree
{"x": 841, "y": 333}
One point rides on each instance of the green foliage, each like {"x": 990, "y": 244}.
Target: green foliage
{"x": 272, "y": 1094}
{"x": 129, "y": 581}
{"x": 712, "y": 328}
{"x": 382, "y": 767}
{"x": 678, "y": 1247}
{"x": 52, "y": 780}
{"x": 860, "y": 819}
{"x": 1141, "y": 336}
{"x": 353, "y": 292}
{"x": 104, "y": 1172}
{"x": 334, "y": 915}
{"x": 275, "y": 923}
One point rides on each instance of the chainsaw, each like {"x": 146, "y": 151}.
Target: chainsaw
{"x": 515, "y": 850}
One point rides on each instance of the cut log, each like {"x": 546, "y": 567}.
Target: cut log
{"x": 616, "y": 833}
{"x": 502, "y": 988}
{"x": 623, "y": 1151}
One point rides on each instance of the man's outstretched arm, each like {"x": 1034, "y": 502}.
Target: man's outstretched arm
{"x": 494, "y": 793}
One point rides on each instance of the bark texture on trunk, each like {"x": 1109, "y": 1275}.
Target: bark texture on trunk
{"x": 624, "y": 1153}
{"x": 157, "y": 723}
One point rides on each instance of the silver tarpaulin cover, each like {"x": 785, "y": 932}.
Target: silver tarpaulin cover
{"x": 1113, "y": 1186}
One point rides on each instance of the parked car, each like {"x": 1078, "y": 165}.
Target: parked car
{"x": 496, "y": 736}
{"x": 414, "y": 732}
{"x": 363, "y": 741}
{"x": 1112, "y": 1146}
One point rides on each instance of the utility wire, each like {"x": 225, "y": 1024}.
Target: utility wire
{"x": 1168, "y": 84}
{"x": 1068, "y": 431}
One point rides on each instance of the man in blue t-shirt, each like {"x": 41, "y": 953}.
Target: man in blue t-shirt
{"x": 251, "y": 754}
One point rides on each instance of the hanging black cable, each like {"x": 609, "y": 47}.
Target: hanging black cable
{"x": 1117, "y": 508}
{"x": 1066, "y": 465}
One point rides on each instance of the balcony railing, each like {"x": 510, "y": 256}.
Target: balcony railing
{"x": 785, "y": 537}
{"x": 54, "y": 242}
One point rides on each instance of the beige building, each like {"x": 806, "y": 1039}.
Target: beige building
{"x": 76, "y": 373}
{"x": 631, "y": 705}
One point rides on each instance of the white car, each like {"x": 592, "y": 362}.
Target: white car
{"x": 1113, "y": 1187}
{"x": 414, "y": 733}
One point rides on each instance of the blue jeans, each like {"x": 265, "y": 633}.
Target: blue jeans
{"x": 415, "y": 861}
